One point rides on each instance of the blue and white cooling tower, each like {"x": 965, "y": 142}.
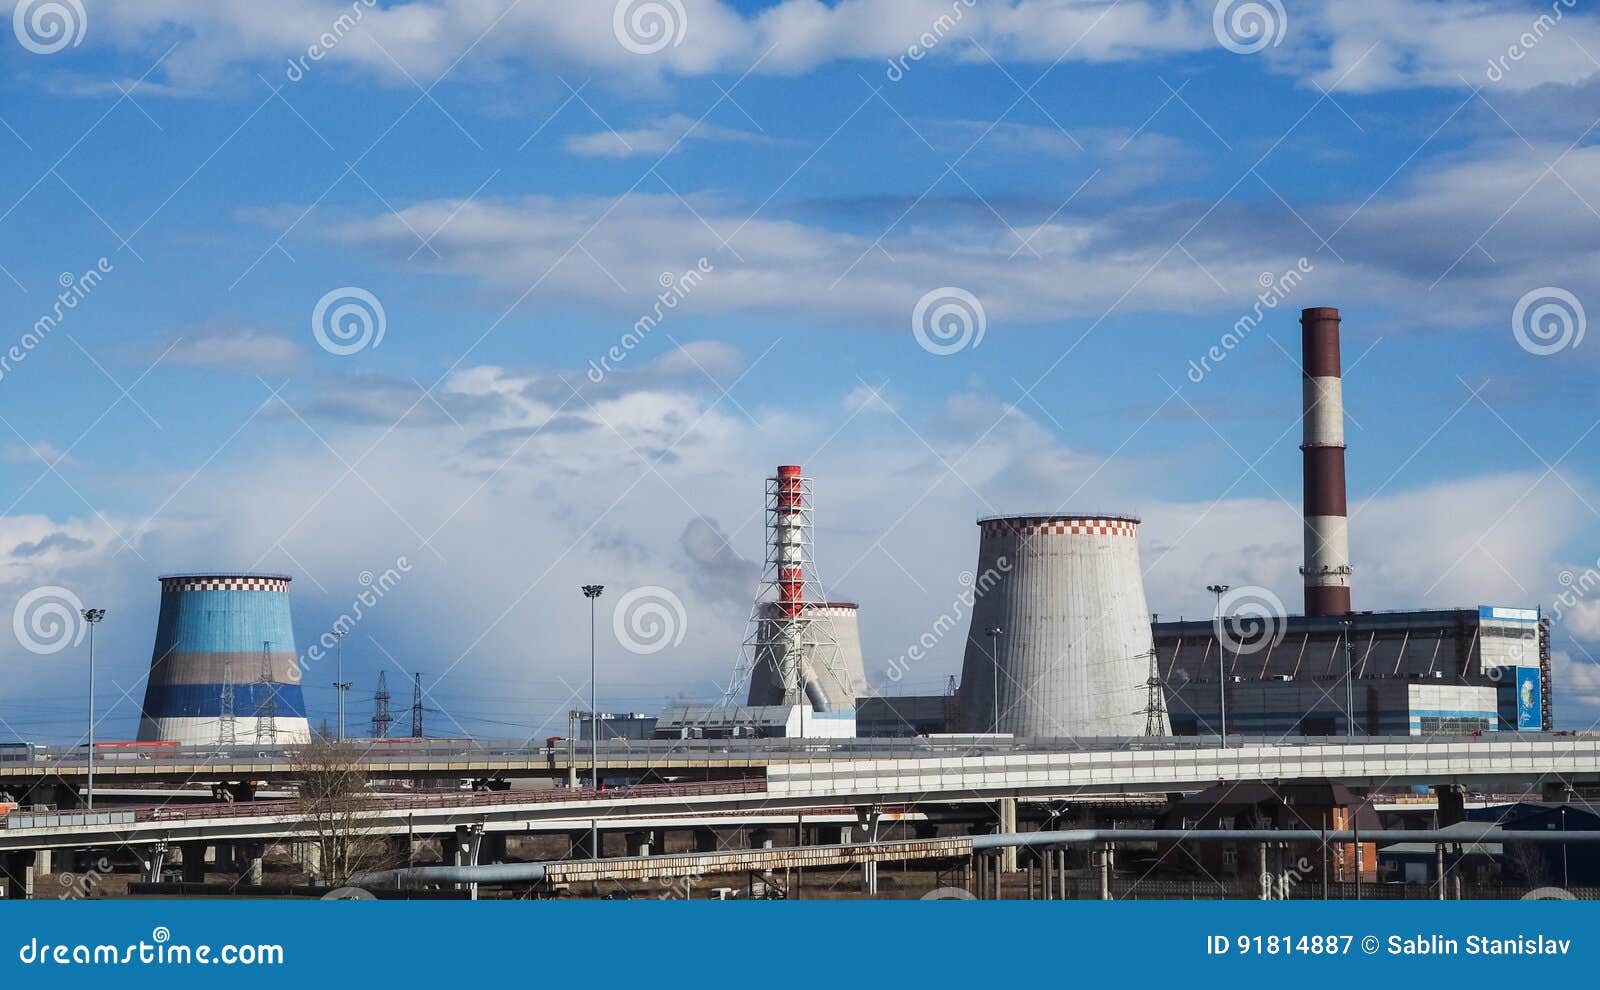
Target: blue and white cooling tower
{"x": 224, "y": 670}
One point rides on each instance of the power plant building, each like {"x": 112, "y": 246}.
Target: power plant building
{"x": 1059, "y": 643}
{"x": 1334, "y": 671}
{"x": 224, "y": 669}
{"x": 1428, "y": 672}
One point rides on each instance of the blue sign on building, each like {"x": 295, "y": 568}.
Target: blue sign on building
{"x": 1530, "y": 707}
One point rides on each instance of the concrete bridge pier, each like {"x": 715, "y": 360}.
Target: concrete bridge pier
{"x": 580, "y": 845}
{"x": 1452, "y": 800}
{"x": 705, "y": 839}
{"x": 255, "y": 855}
{"x": 492, "y": 847}
{"x": 309, "y": 856}
{"x": 640, "y": 843}
{"x": 193, "y": 856}
{"x": 17, "y": 870}
{"x": 1008, "y": 824}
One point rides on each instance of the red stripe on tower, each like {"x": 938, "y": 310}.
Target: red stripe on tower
{"x": 786, "y": 540}
{"x": 1327, "y": 530}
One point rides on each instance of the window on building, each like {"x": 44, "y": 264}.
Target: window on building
{"x": 1454, "y": 725}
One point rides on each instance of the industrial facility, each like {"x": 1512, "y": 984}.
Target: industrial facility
{"x": 224, "y": 670}
{"x": 1334, "y": 671}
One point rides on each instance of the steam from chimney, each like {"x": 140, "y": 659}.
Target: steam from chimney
{"x": 1327, "y": 530}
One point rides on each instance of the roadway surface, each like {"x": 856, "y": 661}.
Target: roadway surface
{"x": 934, "y": 778}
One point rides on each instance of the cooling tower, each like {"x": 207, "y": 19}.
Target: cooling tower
{"x": 224, "y": 669}
{"x": 837, "y": 664}
{"x": 1073, "y": 653}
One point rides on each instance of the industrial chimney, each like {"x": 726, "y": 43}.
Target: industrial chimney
{"x": 1327, "y": 530}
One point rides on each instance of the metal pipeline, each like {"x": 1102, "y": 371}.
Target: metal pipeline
{"x": 814, "y": 692}
{"x": 536, "y": 872}
{"x": 423, "y": 875}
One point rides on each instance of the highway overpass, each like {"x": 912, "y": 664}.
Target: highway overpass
{"x": 908, "y": 782}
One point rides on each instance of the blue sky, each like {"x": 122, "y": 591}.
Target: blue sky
{"x": 1111, "y": 181}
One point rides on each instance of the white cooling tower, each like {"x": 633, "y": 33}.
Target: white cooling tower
{"x": 837, "y": 663}
{"x": 1060, "y": 638}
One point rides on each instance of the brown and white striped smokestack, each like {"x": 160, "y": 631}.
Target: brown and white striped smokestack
{"x": 1327, "y": 566}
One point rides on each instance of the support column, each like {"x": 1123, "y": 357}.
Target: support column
{"x": 705, "y": 839}
{"x": 1105, "y": 873}
{"x": 256, "y": 852}
{"x": 1452, "y": 804}
{"x": 1008, "y": 823}
{"x": 639, "y": 843}
{"x": 311, "y": 857}
{"x": 493, "y": 848}
{"x": 194, "y": 861}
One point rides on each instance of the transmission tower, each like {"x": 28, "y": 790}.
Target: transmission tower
{"x": 1155, "y": 706}
{"x": 416, "y": 706}
{"x": 266, "y": 699}
{"x": 381, "y": 719}
{"x": 227, "y": 731}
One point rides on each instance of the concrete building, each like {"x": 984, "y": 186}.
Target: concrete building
{"x": 224, "y": 669}
{"x": 1437, "y": 671}
{"x": 906, "y": 715}
{"x": 753, "y": 722}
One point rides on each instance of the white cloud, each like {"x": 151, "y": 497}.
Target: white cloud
{"x": 1358, "y": 46}
{"x": 666, "y": 135}
{"x": 233, "y": 349}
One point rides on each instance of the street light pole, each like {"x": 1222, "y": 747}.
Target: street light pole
{"x": 340, "y": 686}
{"x": 592, "y": 592}
{"x": 1222, "y": 671}
{"x": 93, "y": 617}
{"x": 994, "y": 633}
{"x": 1349, "y": 675}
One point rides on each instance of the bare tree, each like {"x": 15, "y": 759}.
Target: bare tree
{"x": 333, "y": 805}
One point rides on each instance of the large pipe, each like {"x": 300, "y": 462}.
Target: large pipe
{"x": 536, "y": 872}
{"x": 1327, "y": 530}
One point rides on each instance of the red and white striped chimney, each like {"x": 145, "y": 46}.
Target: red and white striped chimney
{"x": 1327, "y": 530}
{"x": 787, "y": 539}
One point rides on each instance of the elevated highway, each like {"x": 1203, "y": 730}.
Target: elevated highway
{"x": 933, "y": 779}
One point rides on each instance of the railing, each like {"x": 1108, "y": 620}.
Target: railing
{"x": 454, "y": 800}
{"x": 380, "y": 755}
